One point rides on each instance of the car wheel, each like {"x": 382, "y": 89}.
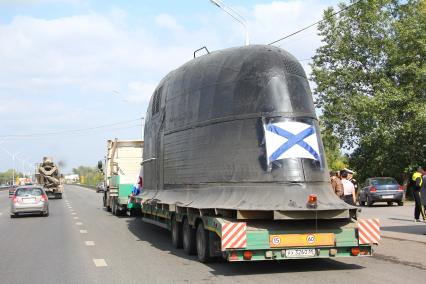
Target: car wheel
{"x": 390, "y": 203}
{"x": 46, "y": 214}
{"x": 369, "y": 203}
{"x": 13, "y": 215}
{"x": 400, "y": 203}
{"x": 361, "y": 203}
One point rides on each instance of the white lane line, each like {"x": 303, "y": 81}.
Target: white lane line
{"x": 73, "y": 213}
{"x": 79, "y": 223}
{"x": 75, "y": 218}
{"x": 89, "y": 243}
{"x": 1, "y": 213}
{"x": 99, "y": 262}
{"x": 83, "y": 231}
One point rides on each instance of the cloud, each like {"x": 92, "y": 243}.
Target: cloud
{"x": 36, "y": 2}
{"x": 169, "y": 22}
{"x": 62, "y": 72}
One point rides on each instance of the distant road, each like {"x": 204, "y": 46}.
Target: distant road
{"x": 81, "y": 243}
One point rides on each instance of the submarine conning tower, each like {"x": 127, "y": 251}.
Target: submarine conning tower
{"x": 237, "y": 129}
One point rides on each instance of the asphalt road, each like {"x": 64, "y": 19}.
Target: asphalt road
{"x": 81, "y": 243}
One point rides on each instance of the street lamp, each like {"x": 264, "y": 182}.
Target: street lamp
{"x": 231, "y": 12}
{"x": 13, "y": 156}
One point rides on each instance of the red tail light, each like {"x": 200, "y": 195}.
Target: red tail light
{"x": 247, "y": 255}
{"x": 400, "y": 188}
{"x": 14, "y": 199}
{"x": 355, "y": 251}
{"x": 373, "y": 189}
{"x": 43, "y": 198}
{"x": 312, "y": 198}
{"x": 233, "y": 256}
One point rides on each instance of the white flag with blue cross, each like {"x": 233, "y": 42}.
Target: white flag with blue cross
{"x": 291, "y": 139}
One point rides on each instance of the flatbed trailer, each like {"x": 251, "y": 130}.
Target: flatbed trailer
{"x": 210, "y": 237}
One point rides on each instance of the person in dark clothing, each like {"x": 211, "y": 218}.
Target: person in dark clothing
{"x": 417, "y": 179}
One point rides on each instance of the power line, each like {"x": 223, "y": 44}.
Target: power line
{"x": 314, "y": 24}
{"x": 68, "y": 131}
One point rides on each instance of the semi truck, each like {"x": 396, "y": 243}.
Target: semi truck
{"x": 234, "y": 166}
{"x": 121, "y": 172}
{"x": 48, "y": 176}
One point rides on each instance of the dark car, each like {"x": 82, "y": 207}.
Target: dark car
{"x": 381, "y": 189}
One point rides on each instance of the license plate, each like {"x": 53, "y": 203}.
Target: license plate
{"x": 300, "y": 253}
{"x": 387, "y": 196}
{"x": 28, "y": 200}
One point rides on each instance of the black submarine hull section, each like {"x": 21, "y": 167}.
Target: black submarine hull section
{"x": 205, "y": 137}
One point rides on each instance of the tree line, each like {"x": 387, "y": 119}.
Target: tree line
{"x": 370, "y": 86}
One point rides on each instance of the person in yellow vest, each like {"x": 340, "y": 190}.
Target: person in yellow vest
{"x": 417, "y": 185}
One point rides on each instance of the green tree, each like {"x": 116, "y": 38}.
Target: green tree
{"x": 370, "y": 83}
{"x": 91, "y": 175}
{"x": 7, "y": 176}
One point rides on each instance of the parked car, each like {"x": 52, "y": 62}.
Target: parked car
{"x": 100, "y": 187}
{"x": 381, "y": 189}
{"x": 12, "y": 189}
{"x": 29, "y": 199}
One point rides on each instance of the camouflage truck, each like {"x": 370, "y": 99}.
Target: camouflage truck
{"x": 49, "y": 177}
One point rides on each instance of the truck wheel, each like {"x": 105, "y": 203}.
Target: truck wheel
{"x": 114, "y": 207}
{"x": 188, "y": 238}
{"x": 202, "y": 240}
{"x": 176, "y": 231}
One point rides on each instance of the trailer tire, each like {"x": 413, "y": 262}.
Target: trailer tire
{"x": 114, "y": 207}
{"x": 176, "y": 232}
{"x": 188, "y": 238}
{"x": 203, "y": 243}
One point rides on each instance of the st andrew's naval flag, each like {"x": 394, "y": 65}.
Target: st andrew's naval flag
{"x": 291, "y": 139}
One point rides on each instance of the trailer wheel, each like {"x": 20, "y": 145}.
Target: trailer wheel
{"x": 176, "y": 231}
{"x": 114, "y": 207}
{"x": 202, "y": 237}
{"x": 188, "y": 238}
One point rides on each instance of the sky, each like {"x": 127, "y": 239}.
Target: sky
{"x": 75, "y": 73}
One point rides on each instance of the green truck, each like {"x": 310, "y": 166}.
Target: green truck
{"x": 121, "y": 172}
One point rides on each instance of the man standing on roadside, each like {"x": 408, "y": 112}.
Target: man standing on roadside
{"x": 348, "y": 189}
{"x": 336, "y": 184}
{"x": 417, "y": 179}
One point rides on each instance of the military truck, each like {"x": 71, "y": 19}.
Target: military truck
{"x": 234, "y": 164}
{"x": 48, "y": 176}
{"x": 121, "y": 173}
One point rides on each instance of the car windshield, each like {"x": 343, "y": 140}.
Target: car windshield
{"x": 384, "y": 181}
{"x": 29, "y": 191}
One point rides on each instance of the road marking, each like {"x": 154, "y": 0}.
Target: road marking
{"x": 83, "y": 231}
{"x": 89, "y": 243}
{"x": 99, "y": 262}
{"x": 79, "y": 223}
{"x": 1, "y": 213}
{"x": 73, "y": 213}
{"x": 75, "y": 218}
